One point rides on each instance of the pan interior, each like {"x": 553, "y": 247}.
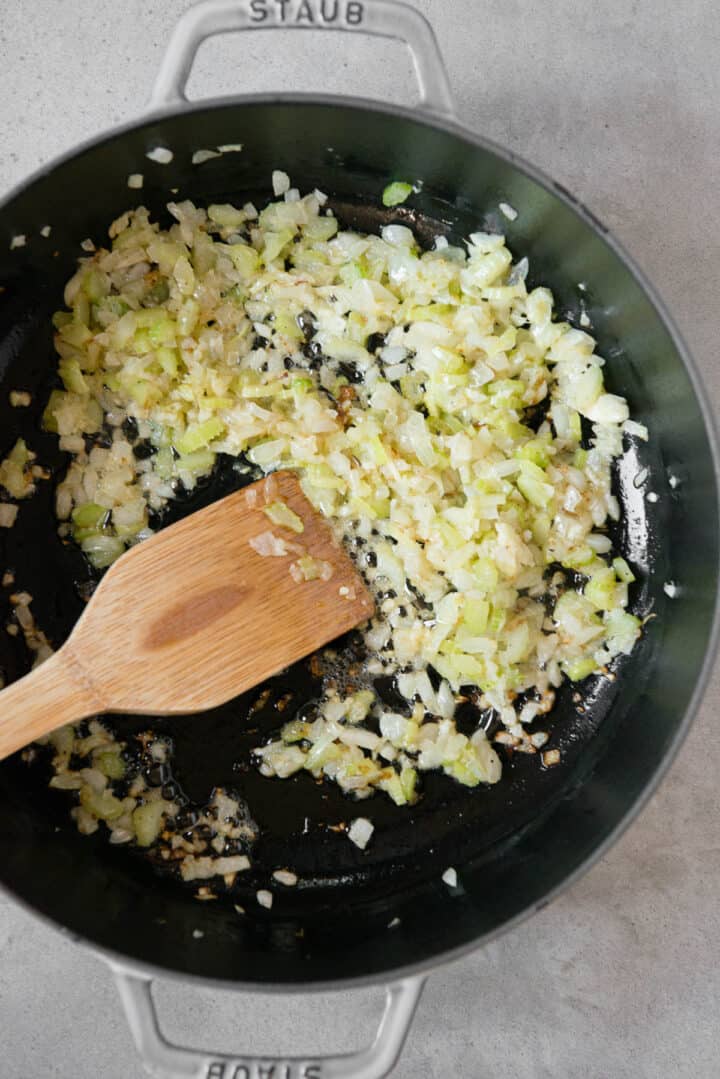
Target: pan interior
{"x": 510, "y": 843}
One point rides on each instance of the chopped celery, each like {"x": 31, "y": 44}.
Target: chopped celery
{"x": 198, "y": 463}
{"x": 61, "y": 318}
{"x": 450, "y": 536}
{"x": 540, "y": 528}
{"x": 578, "y": 669}
{"x": 497, "y": 620}
{"x": 321, "y": 753}
{"x": 147, "y": 821}
{"x": 15, "y": 474}
{"x": 75, "y": 333}
{"x": 351, "y": 271}
{"x": 623, "y": 571}
{"x": 88, "y": 519}
{"x": 435, "y": 312}
{"x": 460, "y": 669}
{"x": 573, "y": 608}
{"x": 159, "y": 328}
{"x": 358, "y": 705}
{"x": 408, "y": 782}
{"x": 578, "y": 557}
{"x": 393, "y": 786}
{"x": 286, "y": 325}
{"x": 72, "y": 376}
{"x": 623, "y": 629}
{"x": 281, "y": 515}
{"x": 486, "y": 574}
{"x": 143, "y": 392}
{"x": 396, "y": 193}
{"x": 575, "y": 426}
{"x": 466, "y": 768}
{"x": 102, "y": 804}
{"x": 297, "y": 730}
{"x": 302, "y": 384}
{"x": 532, "y": 484}
{"x": 310, "y": 568}
{"x": 102, "y": 550}
{"x": 323, "y": 477}
{"x": 600, "y": 589}
{"x": 89, "y": 515}
{"x": 168, "y": 358}
{"x": 109, "y": 761}
{"x": 537, "y": 451}
{"x": 475, "y": 616}
{"x": 199, "y": 435}
{"x": 96, "y": 285}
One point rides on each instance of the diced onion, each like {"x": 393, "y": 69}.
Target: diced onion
{"x": 268, "y": 544}
{"x": 200, "y": 156}
{"x": 286, "y": 877}
{"x": 280, "y": 182}
{"x": 204, "y": 868}
{"x": 403, "y": 386}
{"x": 8, "y": 514}
{"x": 160, "y": 154}
{"x": 360, "y": 832}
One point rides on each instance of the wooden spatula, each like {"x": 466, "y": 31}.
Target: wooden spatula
{"x": 197, "y": 614}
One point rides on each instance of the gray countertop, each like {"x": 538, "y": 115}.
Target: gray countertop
{"x": 620, "y": 977}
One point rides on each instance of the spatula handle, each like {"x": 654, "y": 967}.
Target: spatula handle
{"x": 48, "y": 697}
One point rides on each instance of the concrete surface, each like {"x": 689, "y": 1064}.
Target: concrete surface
{"x": 620, "y": 978}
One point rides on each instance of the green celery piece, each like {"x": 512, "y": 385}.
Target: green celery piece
{"x": 396, "y": 193}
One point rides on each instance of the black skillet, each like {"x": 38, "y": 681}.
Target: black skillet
{"x": 513, "y": 845}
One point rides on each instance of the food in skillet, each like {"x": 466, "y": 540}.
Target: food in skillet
{"x": 459, "y": 438}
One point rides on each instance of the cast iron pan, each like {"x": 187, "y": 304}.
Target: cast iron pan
{"x": 511, "y": 843}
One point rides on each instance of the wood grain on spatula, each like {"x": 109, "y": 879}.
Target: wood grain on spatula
{"x": 192, "y": 617}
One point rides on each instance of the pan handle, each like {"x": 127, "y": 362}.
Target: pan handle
{"x": 164, "y": 1060}
{"x": 382, "y": 18}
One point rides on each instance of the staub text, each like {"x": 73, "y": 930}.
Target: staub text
{"x": 228, "y": 1069}
{"x": 307, "y": 12}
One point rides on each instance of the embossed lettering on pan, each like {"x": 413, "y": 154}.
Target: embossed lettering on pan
{"x": 224, "y": 1069}
{"x": 310, "y": 12}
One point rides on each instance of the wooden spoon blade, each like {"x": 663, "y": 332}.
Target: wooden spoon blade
{"x": 198, "y": 614}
